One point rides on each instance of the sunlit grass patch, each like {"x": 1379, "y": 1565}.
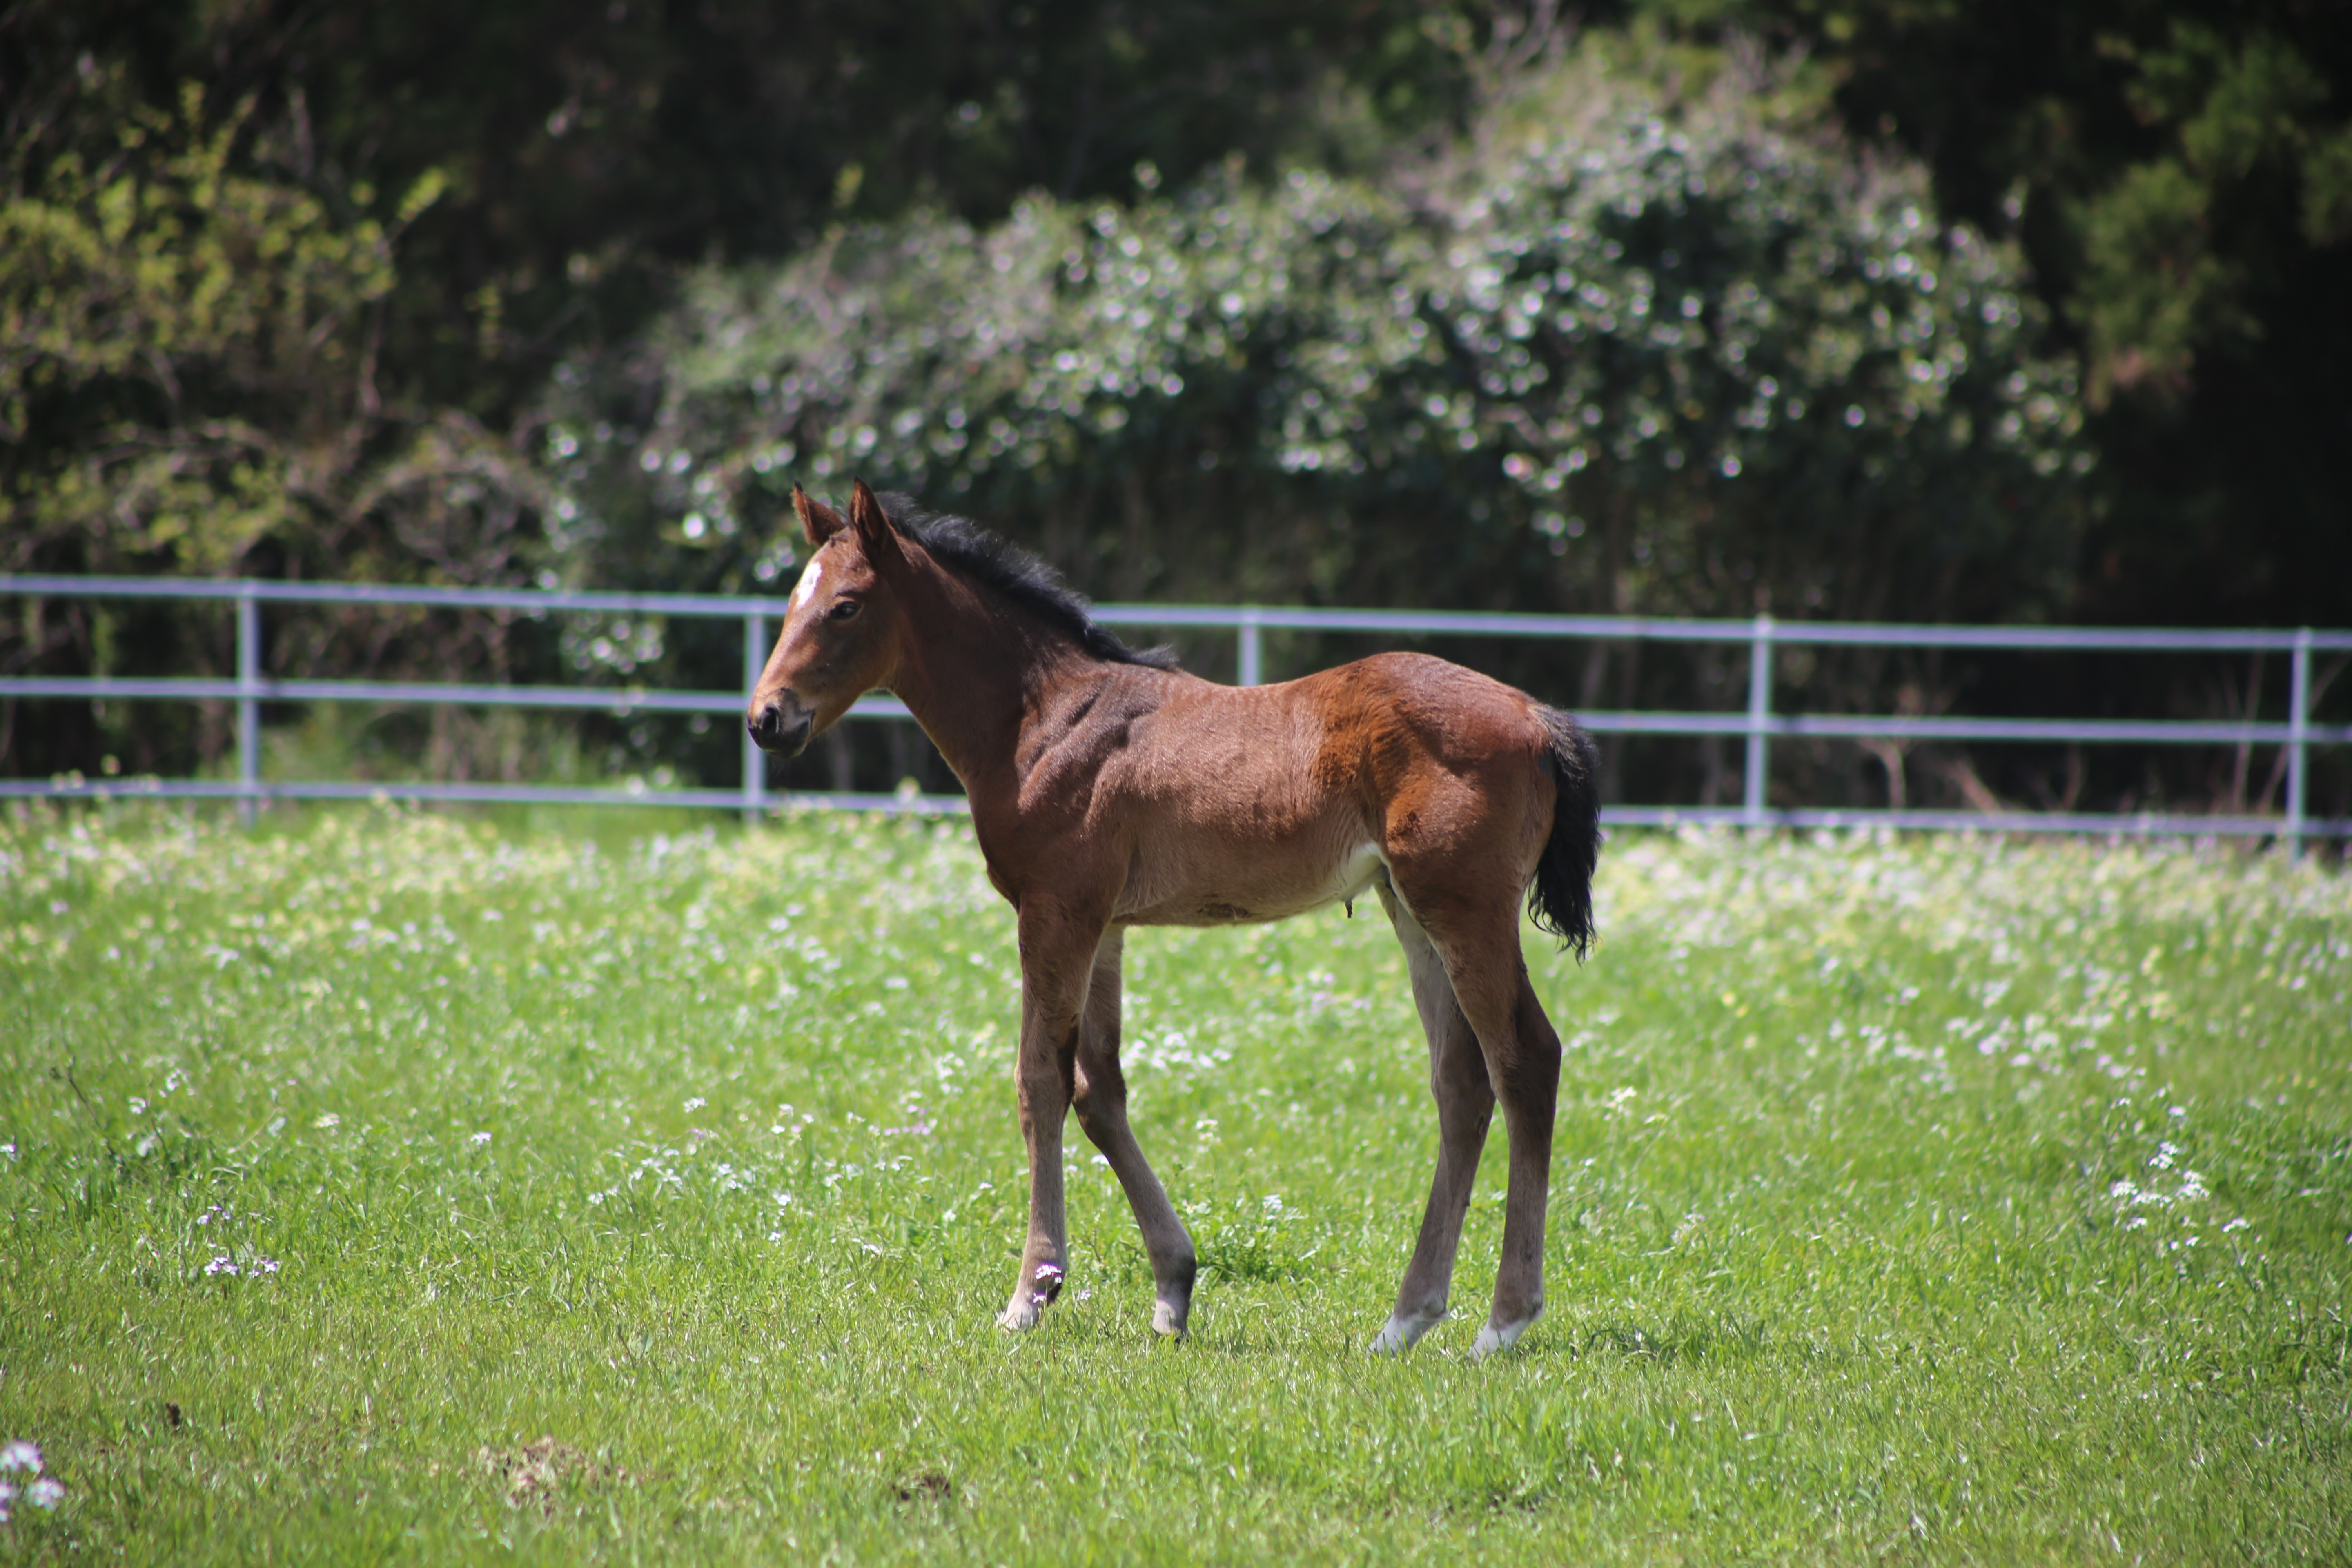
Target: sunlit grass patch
{"x": 394, "y": 1185}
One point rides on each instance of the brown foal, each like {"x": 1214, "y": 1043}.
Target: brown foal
{"x": 1110, "y": 789}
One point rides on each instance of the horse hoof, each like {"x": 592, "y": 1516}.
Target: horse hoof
{"x": 1492, "y": 1340}
{"x": 1019, "y": 1318}
{"x": 1168, "y": 1320}
{"x": 1398, "y": 1333}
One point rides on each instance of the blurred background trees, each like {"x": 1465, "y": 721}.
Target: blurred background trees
{"x": 1834, "y": 309}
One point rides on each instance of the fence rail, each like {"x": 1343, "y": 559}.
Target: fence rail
{"x": 1759, "y": 725}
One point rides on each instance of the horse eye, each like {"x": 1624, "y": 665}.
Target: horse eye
{"x": 847, "y": 610}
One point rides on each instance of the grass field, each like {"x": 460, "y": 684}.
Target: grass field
{"x": 1940, "y": 1200}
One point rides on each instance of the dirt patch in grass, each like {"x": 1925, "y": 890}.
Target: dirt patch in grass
{"x": 535, "y": 1473}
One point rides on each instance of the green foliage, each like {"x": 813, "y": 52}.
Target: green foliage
{"x": 1776, "y": 376}
{"x": 2327, "y": 190}
{"x": 2162, "y": 279}
{"x": 188, "y": 358}
{"x": 1985, "y": 1200}
{"x": 2179, "y": 177}
{"x": 1067, "y": 362}
{"x": 591, "y": 150}
{"x": 167, "y": 323}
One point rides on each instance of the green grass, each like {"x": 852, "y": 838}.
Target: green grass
{"x": 698, "y": 1153}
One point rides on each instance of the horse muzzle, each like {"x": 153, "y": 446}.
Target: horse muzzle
{"x": 782, "y": 725}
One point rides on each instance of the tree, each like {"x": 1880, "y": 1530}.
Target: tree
{"x": 2180, "y": 178}
{"x": 187, "y": 382}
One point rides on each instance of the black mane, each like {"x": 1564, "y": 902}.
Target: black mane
{"x": 998, "y": 563}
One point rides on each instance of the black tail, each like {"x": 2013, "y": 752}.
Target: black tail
{"x": 1561, "y": 898}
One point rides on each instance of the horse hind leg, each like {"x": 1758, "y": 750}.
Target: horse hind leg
{"x": 1101, "y": 1102}
{"x": 1522, "y": 1062}
{"x": 1466, "y": 1104}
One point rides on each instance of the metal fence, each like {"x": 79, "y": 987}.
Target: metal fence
{"x": 1759, "y": 724}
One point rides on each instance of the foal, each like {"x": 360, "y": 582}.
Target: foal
{"x": 1110, "y": 789}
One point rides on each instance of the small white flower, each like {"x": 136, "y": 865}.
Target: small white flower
{"x": 223, "y": 1264}
{"x": 696, "y": 1103}
{"x": 328, "y": 1119}
{"x": 479, "y": 1140}
{"x": 265, "y": 1266}
{"x": 47, "y": 1492}
{"x": 21, "y": 1456}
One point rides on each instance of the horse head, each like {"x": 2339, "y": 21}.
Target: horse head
{"x": 841, "y": 633}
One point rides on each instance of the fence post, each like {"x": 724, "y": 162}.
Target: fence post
{"x": 755, "y": 761}
{"x": 2298, "y": 731}
{"x": 248, "y": 705}
{"x": 1250, "y": 651}
{"x": 1759, "y": 718}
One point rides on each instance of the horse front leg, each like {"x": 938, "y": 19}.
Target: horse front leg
{"x": 1102, "y": 1113}
{"x": 1057, "y": 960}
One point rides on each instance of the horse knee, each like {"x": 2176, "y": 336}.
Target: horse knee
{"x": 1045, "y": 1090}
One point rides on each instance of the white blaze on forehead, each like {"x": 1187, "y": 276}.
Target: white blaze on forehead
{"x": 807, "y": 589}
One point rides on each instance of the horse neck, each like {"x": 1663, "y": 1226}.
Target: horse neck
{"x": 973, "y": 669}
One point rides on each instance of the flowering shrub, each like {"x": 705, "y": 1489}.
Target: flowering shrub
{"x": 1664, "y": 360}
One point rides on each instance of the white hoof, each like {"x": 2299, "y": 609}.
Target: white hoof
{"x": 1492, "y": 1339}
{"x": 1398, "y": 1334}
{"x": 1035, "y": 1295}
{"x": 1167, "y": 1321}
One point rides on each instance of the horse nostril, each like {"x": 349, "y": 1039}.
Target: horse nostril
{"x": 772, "y": 731}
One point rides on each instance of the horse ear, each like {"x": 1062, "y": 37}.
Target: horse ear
{"x": 875, "y": 537}
{"x": 818, "y": 521}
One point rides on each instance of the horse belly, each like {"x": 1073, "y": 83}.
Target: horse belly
{"x": 1262, "y": 883}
